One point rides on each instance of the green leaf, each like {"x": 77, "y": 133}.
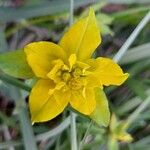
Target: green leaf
{"x": 15, "y": 64}
{"x": 128, "y": 1}
{"x": 42, "y": 8}
{"x": 105, "y": 29}
{"x": 135, "y": 54}
{"x": 3, "y": 42}
{"x": 107, "y": 21}
{"x": 101, "y": 114}
{"x": 104, "y": 23}
{"x": 137, "y": 87}
{"x": 131, "y": 15}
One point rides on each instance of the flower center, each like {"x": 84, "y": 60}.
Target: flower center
{"x": 73, "y": 78}
{"x": 77, "y": 72}
{"x": 66, "y": 76}
{"x": 75, "y": 83}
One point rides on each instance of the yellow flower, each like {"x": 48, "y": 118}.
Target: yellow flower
{"x": 66, "y": 73}
{"x": 118, "y": 133}
{"x": 118, "y": 130}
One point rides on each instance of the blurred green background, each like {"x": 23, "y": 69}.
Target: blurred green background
{"x": 24, "y": 21}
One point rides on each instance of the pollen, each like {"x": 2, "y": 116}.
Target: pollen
{"x": 75, "y": 84}
{"x": 77, "y": 72}
{"x": 72, "y": 77}
{"x": 66, "y": 76}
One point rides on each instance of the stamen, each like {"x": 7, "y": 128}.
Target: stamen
{"x": 72, "y": 60}
{"x": 75, "y": 84}
{"x": 83, "y": 92}
{"x": 66, "y": 76}
{"x": 77, "y": 72}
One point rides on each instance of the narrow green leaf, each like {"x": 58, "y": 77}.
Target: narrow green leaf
{"x": 15, "y": 64}
{"x": 15, "y": 82}
{"x": 131, "y": 15}
{"x": 24, "y": 120}
{"x": 101, "y": 114}
{"x": 5, "y": 145}
{"x": 40, "y": 9}
{"x": 136, "y": 54}
{"x": 104, "y": 23}
{"x": 108, "y": 19}
{"x": 128, "y": 1}
{"x": 27, "y": 130}
{"x": 3, "y": 42}
{"x": 137, "y": 87}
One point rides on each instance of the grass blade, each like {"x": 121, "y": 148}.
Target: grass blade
{"x": 136, "y": 54}
{"x": 42, "y": 9}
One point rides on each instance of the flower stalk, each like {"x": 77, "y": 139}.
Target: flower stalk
{"x": 72, "y": 114}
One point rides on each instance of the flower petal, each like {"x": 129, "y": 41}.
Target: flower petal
{"x": 93, "y": 82}
{"x": 41, "y": 54}
{"x": 125, "y": 137}
{"x": 83, "y": 101}
{"x": 44, "y": 107}
{"x": 101, "y": 114}
{"x": 107, "y": 71}
{"x": 82, "y": 38}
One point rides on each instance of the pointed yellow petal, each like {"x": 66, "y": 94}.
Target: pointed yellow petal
{"x": 107, "y": 71}
{"x": 101, "y": 114}
{"x": 44, "y": 107}
{"x": 55, "y": 70}
{"x": 93, "y": 82}
{"x": 118, "y": 129}
{"x": 57, "y": 87}
{"x": 41, "y": 54}
{"x": 83, "y": 101}
{"x": 125, "y": 137}
{"x": 82, "y": 38}
{"x": 121, "y": 132}
{"x": 62, "y": 97}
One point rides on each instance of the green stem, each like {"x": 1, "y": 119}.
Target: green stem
{"x": 15, "y": 82}
{"x": 25, "y": 124}
{"x": 73, "y": 131}
{"x": 136, "y": 113}
{"x": 72, "y": 114}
